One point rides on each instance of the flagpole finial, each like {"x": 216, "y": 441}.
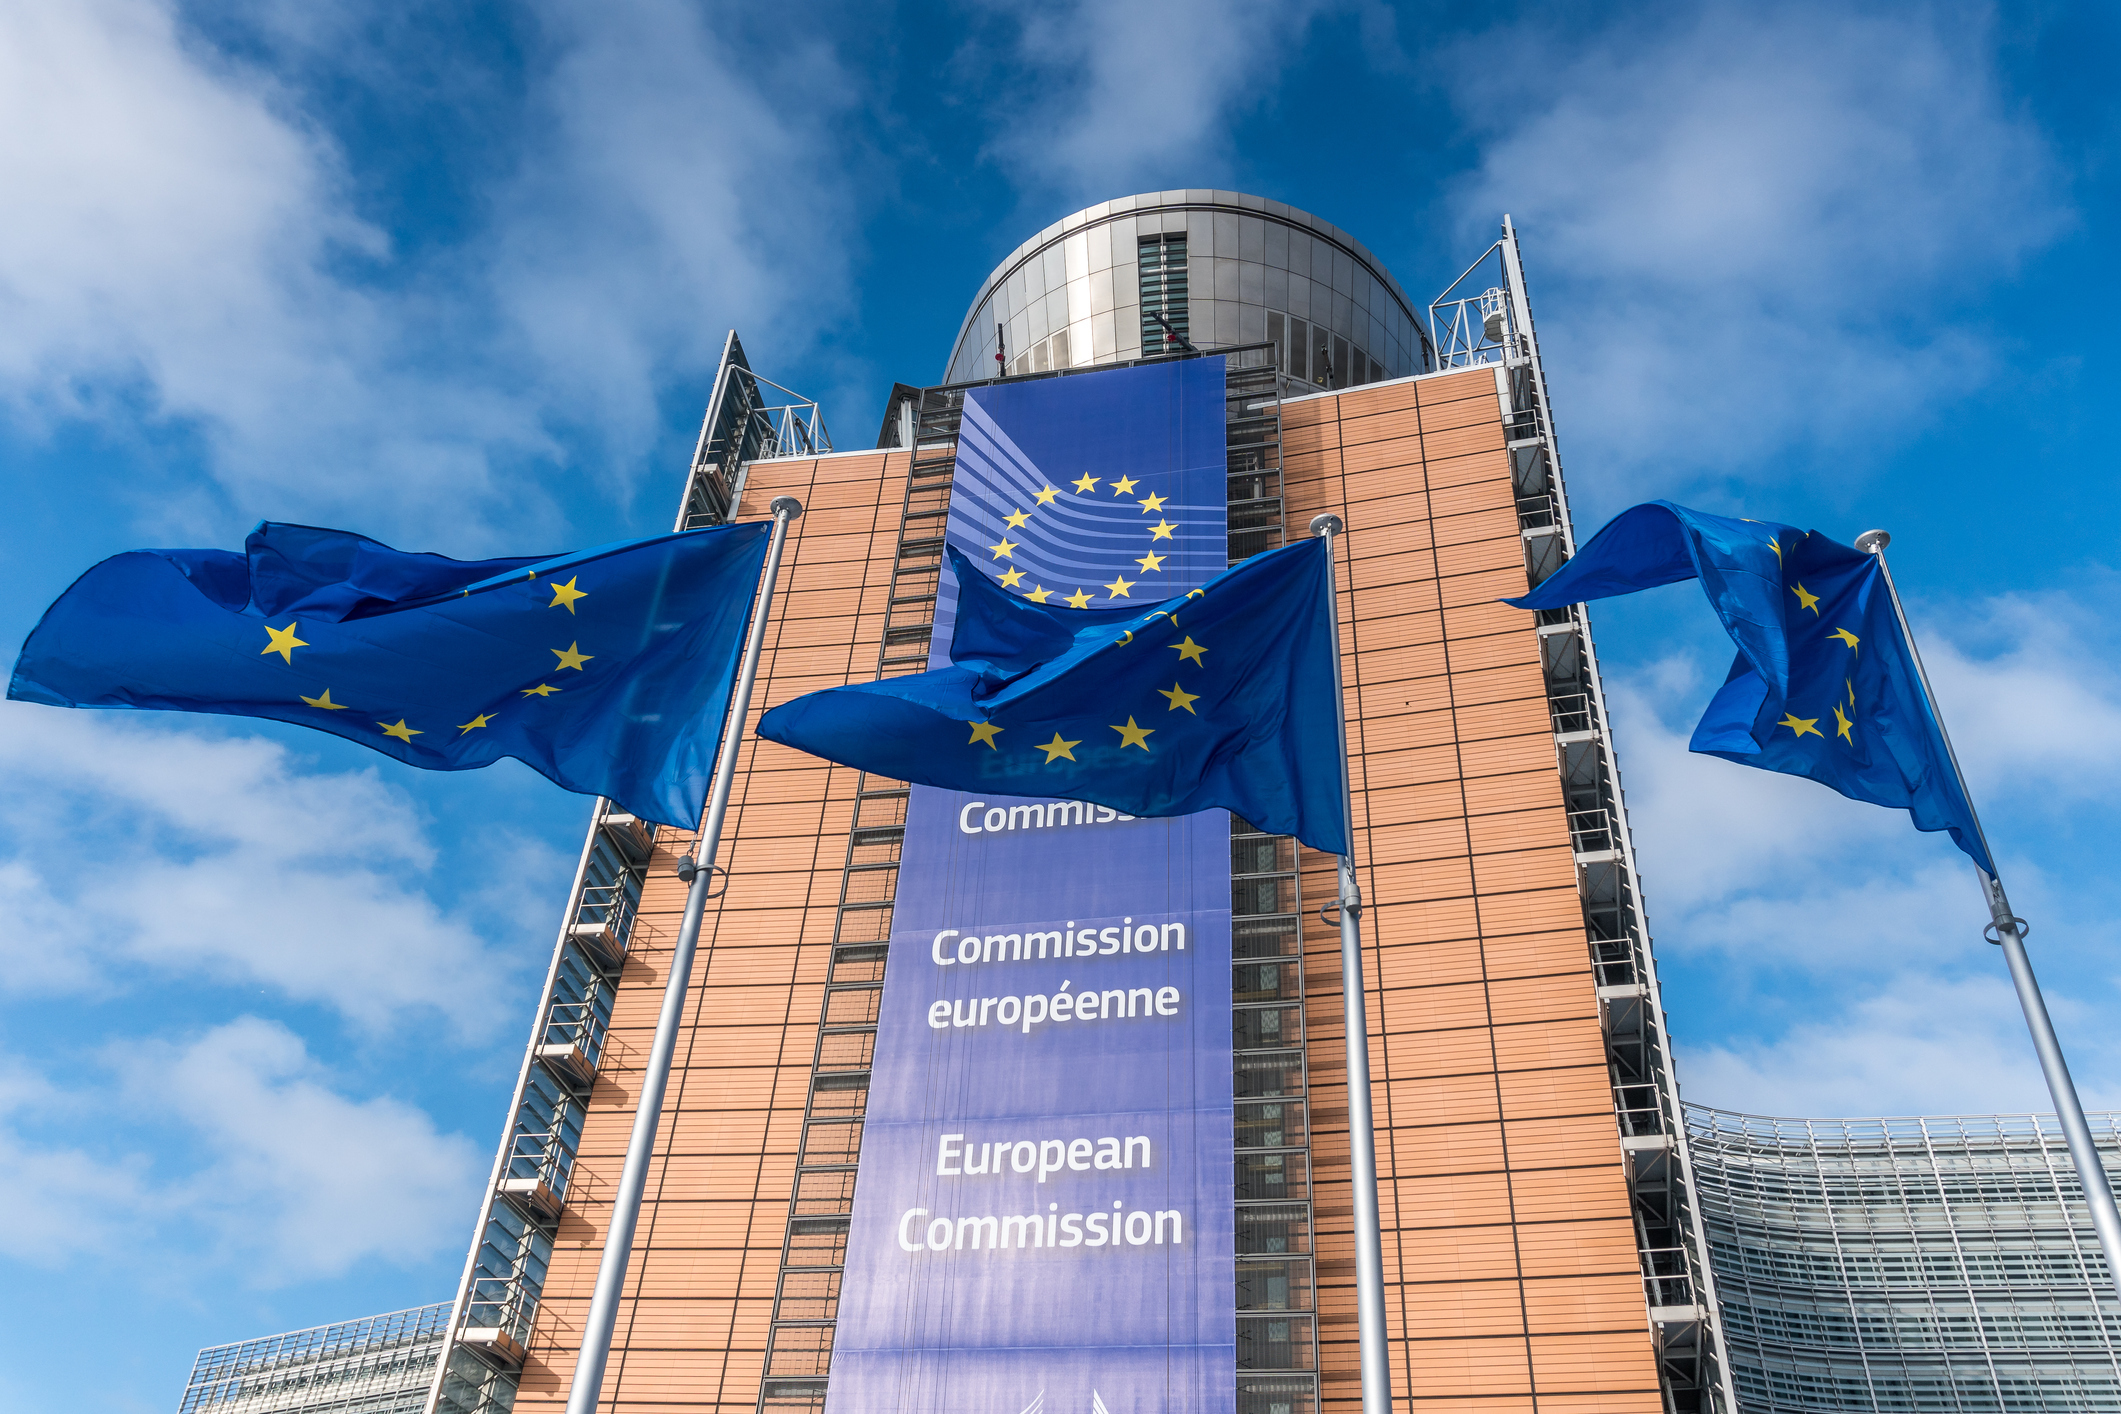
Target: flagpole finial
{"x": 1327, "y": 524}
{"x": 1873, "y": 542}
{"x": 787, "y": 505}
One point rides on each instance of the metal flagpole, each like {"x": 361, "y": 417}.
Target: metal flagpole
{"x": 1362, "y": 1136}
{"x": 698, "y": 870}
{"x": 2010, "y": 933}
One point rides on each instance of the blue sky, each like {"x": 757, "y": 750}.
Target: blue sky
{"x": 458, "y": 281}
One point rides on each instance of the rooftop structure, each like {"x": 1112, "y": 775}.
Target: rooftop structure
{"x": 376, "y": 1365}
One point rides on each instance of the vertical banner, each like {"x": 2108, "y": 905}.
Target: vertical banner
{"x": 1043, "y": 1218}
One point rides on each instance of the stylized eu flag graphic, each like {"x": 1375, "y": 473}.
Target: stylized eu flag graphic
{"x": 609, "y": 670}
{"x": 1221, "y": 697}
{"x": 1825, "y": 684}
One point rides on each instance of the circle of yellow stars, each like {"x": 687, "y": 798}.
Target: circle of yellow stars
{"x": 1120, "y": 587}
{"x": 284, "y": 641}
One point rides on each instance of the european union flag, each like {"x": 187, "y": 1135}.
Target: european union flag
{"x": 609, "y": 670}
{"x": 1825, "y": 684}
{"x": 1221, "y": 697}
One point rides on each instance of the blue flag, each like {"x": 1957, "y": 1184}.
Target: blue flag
{"x": 1222, "y": 697}
{"x": 1825, "y": 684}
{"x": 609, "y": 670}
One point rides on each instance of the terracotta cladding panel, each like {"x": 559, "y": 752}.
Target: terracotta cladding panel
{"x": 1498, "y": 650}
{"x": 1424, "y": 922}
{"x": 1464, "y": 441}
{"x": 1517, "y": 716}
{"x": 1388, "y": 466}
{"x": 1646, "y": 1400}
{"x": 1517, "y": 683}
{"x": 1469, "y": 409}
{"x": 1388, "y": 397}
{"x": 1533, "y": 1046}
{"x": 1485, "y": 617}
{"x": 1461, "y": 1309}
{"x": 1388, "y": 490}
{"x": 1440, "y": 800}
{"x": 1389, "y": 724}
{"x": 1420, "y": 660}
{"x": 1571, "y": 1194}
{"x": 1379, "y": 598}
{"x": 1443, "y": 1099}
{"x": 1525, "y": 869}
{"x": 1299, "y": 437}
{"x": 1590, "y": 1362}
{"x": 1482, "y": 556}
{"x": 1458, "y": 1254}
{"x": 1431, "y": 839}
{"x": 1450, "y": 387}
{"x": 1535, "y": 954}
{"x": 1459, "y": 1200}
{"x": 1420, "y": 1050}
{"x": 1379, "y": 427}
{"x": 1469, "y": 1369}
{"x": 1406, "y": 544}
{"x": 1483, "y": 585}
{"x": 1514, "y": 791}
{"x": 1574, "y": 1090}
{"x": 1400, "y": 965}
{"x": 1475, "y": 481}
{"x": 1581, "y": 1248}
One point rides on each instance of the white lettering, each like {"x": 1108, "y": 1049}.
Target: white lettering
{"x": 910, "y": 1215}
{"x": 1052, "y": 1155}
{"x": 964, "y": 817}
{"x": 936, "y": 951}
{"x": 946, "y": 1152}
{"x": 1167, "y": 1001}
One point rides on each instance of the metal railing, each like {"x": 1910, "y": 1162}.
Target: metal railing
{"x": 1573, "y": 713}
{"x": 1591, "y": 831}
{"x": 501, "y": 1304}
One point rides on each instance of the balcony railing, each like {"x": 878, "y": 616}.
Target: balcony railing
{"x": 497, "y": 1319}
{"x": 1592, "y": 831}
{"x": 603, "y": 923}
{"x": 1573, "y": 713}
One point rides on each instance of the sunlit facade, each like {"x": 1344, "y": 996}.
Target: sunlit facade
{"x": 376, "y": 1365}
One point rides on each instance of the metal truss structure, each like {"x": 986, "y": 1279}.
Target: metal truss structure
{"x": 1939, "y": 1264}
{"x": 1484, "y": 318}
{"x": 377, "y": 1365}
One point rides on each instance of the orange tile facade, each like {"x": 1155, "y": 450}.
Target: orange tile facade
{"x": 1510, "y": 1265}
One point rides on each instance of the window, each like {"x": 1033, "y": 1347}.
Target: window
{"x": 1163, "y": 291}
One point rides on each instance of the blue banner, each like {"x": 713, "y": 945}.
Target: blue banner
{"x": 1043, "y": 1218}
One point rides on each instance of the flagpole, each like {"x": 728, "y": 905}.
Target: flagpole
{"x": 2010, "y": 933}
{"x": 1362, "y": 1134}
{"x": 698, "y": 870}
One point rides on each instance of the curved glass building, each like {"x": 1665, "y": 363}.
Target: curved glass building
{"x": 1906, "y": 1264}
{"x": 1150, "y": 274}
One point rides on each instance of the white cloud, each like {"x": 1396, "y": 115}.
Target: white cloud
{"x": 186, "y": 254}
{"x": 221, "y": 859}
{"x": 1124, "y": 97}
{"x": 1741, "y": 220}
{"x": 298, "y": 1174}
{"x": 249, "y": 1159}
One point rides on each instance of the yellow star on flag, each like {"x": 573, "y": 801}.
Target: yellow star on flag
{"x": 481, "y": 720}
{"x": 1801, "y": 725}
{"x": 1017, "y": 519}
{"x": 1806, "y": 599}
{"x": 1772, "y": 545}
{"x": 983, "y": 732}
{"x": 1842, "y": 725}
{"x": 1039, "y": 594}
{"x": 1012, "y": 579}
{"x": 1078, "y": 600}
{"x": 543, "y": 689}
{"x": 1119, "y": 586}
{"x": 1161, "y": 530}
{"x": 564, "y": 595}
{"x": 400, "y": 730}
{"x": 1085, "y": 484}
{"x": 323, "y": 699}
{"x": 1150, "y": 562}
{"x": 1189, "y": 650}
{"x": 571, "y": 656}
{"x": 1057, "y": 748}
{"x": 1046, "y": 495}
{"x": 1006, "y": 550}
{"x": 1124, "y": 485}
{"x": 1132, "y": 735}
{"x": 283, "y": 642}
{"x": 1154, "y": 502}
{"x": 1180, "y": 697}
{"x": 1845, "y": 636}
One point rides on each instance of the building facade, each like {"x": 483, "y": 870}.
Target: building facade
{"x": 1542, "y": 1250}
{"x": 1907, "y": 1264}
{"x": 377, "y": 1365}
